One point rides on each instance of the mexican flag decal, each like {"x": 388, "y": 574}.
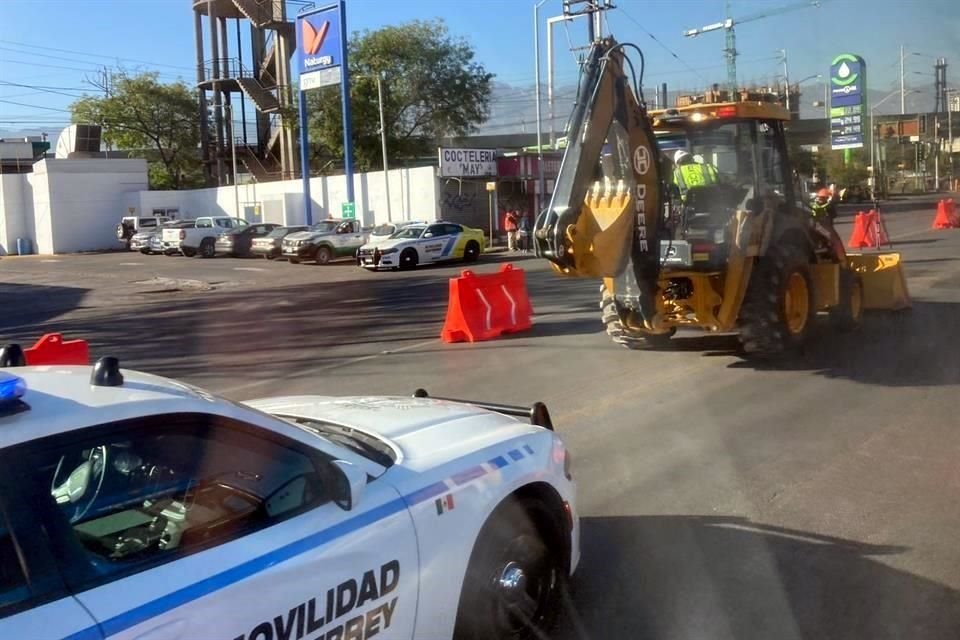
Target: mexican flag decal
{"x": 444, "y": 504}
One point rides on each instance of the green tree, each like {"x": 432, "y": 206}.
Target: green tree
{"x": 432, "y": 88}
{"x": 140, "y": 113}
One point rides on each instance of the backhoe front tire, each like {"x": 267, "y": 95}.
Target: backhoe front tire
{"x": 778, "y": 308}
{"x": 623, "y": 335}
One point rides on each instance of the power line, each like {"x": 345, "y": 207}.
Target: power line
{"x": 665, "y": 47}
{"x": 91, "y": 55}
{"x": 34, "y": 106}
{"x": 39, "y": 89}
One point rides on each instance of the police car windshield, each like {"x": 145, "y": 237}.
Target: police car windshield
{"x": 384, "y": 230}
{"x": 357, "y": 441}
{"x": 409, "y": 232}
{"x": 326, "y": 225}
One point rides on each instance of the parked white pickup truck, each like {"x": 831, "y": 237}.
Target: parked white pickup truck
{"x": 200, "y": 238}
{"x": 325, "y": 241}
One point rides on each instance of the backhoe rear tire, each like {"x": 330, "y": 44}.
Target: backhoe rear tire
{"x": 623, "y": 335}
{"x": 778, "y": 308}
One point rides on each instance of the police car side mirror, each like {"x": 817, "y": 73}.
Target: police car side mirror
{"x": 350, "y": 482}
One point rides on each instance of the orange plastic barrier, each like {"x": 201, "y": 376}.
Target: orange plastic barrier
{"x": 51, "y": 348}
{"x": 858, "y": 236}
{"x": 946, "y": 215}
{"x": 868, "y": 231}
{"x": 485, "y": 306}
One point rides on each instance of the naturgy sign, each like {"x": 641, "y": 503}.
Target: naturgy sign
{"x": 318, "y": 47}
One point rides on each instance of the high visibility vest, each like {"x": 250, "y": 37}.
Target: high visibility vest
{"x": 695, "y": 175}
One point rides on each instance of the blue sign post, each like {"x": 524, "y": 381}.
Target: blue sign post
{"x": 322, "y": 61}
{"x": 848, "y": 101}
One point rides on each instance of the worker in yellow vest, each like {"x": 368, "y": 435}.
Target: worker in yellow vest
{"x": 689, "y": 172}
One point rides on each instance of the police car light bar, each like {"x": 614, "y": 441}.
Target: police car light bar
{"x": 12, "y": 389}
{"x": 537, "y": 412}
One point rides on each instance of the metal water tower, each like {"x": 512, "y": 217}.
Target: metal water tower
{"x": 231, "y": 68}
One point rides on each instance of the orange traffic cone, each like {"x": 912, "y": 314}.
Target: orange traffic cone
{"x": 858, "y": 235}
{"x": 942, "y": 221}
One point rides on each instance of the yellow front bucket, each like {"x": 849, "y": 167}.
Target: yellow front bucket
{"x": 884, "y": 285}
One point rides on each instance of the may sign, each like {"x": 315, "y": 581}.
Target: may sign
{"x": 467, "y": 163}
{"x": 848, "y": 101}
{"x": 318, "y": 47}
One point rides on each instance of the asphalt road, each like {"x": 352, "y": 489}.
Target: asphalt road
{"x": 813, "y": 500}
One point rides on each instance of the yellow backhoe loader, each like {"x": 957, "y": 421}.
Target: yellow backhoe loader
{"x": 692, "y": 217}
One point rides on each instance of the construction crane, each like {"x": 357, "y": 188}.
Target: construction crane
{"x": 728, "y": 24}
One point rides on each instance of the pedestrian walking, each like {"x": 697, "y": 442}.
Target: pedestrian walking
{"x": 510, "y": 224}
{"x": 523, "y": 232}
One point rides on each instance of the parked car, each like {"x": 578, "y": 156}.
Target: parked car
{"x": 201, "y": 237}
{"x": 270, "y": 246}
{"x": 135, "y": 506}
{"x": 325, "y": 241}
{"x": 149, "y": 241}
{"x": 421, "y": 244}
{"x": 130, "y": 225}
{"x": 236, "y": 243}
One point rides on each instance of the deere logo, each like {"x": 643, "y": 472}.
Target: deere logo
{"x": 844, "y": 75}
{"x": 312, "y": 38}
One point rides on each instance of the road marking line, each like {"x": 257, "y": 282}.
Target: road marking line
{"x": 131, "y": 264}
{"x": 334, "y": 365}
{"x": 51, "y": 261}
{"x": 248, "y": 269}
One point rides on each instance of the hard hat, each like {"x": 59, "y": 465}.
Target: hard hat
{"x": 823, "y": 193}
{"x": 680, "y": 155}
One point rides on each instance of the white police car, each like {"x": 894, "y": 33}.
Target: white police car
{"x": 417, "y": 244}
{"x": 133, "y": 506}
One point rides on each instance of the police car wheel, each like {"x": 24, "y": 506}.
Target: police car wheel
{"x": 408, "y": 259}
{"x": 514, "y": 581}
{"x": 471, "y": 252}
{"x": 323, "y": 255}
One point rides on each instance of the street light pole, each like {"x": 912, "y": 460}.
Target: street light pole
{"x": 550, "y": 23}
{"x": 383, "y": 146}
{"x": 786, "y": 76}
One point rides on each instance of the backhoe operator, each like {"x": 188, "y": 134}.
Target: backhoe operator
{"x": 689, "y": 172}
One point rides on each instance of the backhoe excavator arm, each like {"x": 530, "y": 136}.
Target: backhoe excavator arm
{"x": 607, "y": 205}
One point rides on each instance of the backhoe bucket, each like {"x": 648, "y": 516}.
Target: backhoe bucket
{"x": 884, "y": 285}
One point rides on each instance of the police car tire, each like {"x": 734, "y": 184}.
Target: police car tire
{"x": 471, "y": 252}
{"x": 524, "y": 534}
{"x": 763, "y": 328}
{"x": 622, "y": 335}
{"x": 408, "y": 259}
{"x": 323, "y": 255}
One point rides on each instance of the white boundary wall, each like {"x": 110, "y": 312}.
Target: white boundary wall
{"x": 414, "y": 195}
{"x": 75, "y": 204}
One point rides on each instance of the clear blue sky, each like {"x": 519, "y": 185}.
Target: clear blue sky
{"x": 51, "y": 44}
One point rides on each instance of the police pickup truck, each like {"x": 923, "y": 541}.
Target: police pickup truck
{"x": 201, "y": 238}
{"x": 325, "y": 241}
{"x": 134, "y": 506}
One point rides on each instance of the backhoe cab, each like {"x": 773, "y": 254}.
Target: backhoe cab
{"x": 693, "y": 218}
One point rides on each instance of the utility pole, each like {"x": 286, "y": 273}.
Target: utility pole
{"x": 786, "y": 76}
{"x": 383, "y": 145}
{"x": 903, "y": 86}
{"x": 541, "y": 182}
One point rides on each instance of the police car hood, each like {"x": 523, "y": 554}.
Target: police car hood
{"x": 421, "y": 429}
{"x": 308, "y": 235}
{"x": 390, "y": 243}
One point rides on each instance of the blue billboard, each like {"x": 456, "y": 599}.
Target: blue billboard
{"x": 848, "y": 100}
{"x": 318, "y": 47}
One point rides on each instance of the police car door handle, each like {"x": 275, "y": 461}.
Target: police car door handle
{"x": 173, "y": 630}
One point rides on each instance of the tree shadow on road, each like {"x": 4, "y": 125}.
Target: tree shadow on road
{"x": 33, "y": 303}
{"x": 725, "y": 577}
